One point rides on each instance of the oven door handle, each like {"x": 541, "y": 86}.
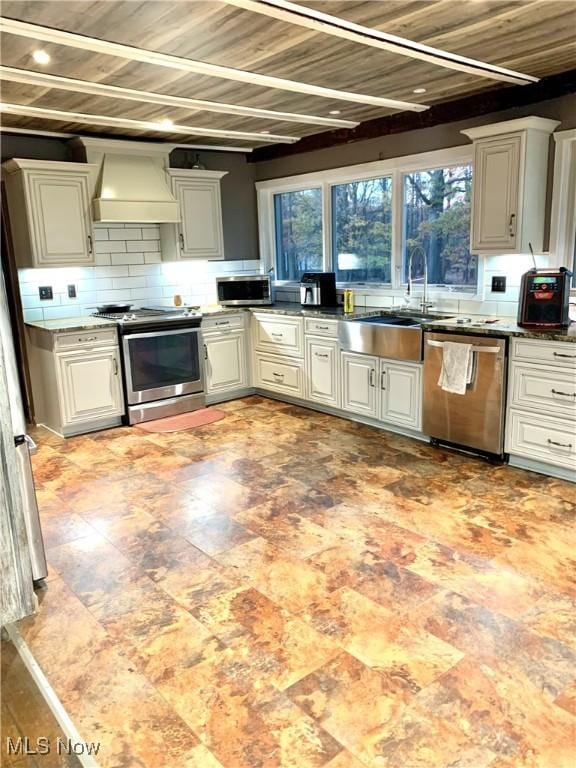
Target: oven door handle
{"x": 159, "y": 332}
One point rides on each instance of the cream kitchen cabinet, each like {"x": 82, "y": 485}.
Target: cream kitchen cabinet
{"x": 401, "y": 394}
{"x": 541, "y": 417}
{"x": 322, "y": 371}
{"x": 359, "y": 373}
{"x": 76, "y": 379}
{"x": 90, "y": 384}
{"x": 50, "y": 212}
{"x": 225, "y": 361}
{"x": 509, "y": 185}
{"x": 199, "y": 234}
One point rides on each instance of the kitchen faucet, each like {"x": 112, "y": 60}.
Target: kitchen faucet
{"x": 419, "y": 251}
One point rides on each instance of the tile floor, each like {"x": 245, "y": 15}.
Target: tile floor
{"x": 285, "y": 588}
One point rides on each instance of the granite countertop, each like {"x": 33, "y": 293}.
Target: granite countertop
{"x": 476, "y": 325}
{"x": 86, "y": 323}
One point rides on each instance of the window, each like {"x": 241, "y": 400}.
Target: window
{"x": 298, "y": 233}
{"x": 363, "y": 222}
{"x": 436, "y": 220}
{"x": 362, "y": 231}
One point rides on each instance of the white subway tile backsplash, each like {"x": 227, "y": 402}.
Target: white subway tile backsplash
{"x": 128, "y": 282}
{"x": 125, "y": 234}
{"x": 110, "y": 246}
{"x": 129, "y": 268}
{"x": 127, "y": 258}
{"x": 142, "y": 245}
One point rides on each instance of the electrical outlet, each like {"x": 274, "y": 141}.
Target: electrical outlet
{"x": 499, "y": 284}
{"x": 71, "y": 291}
{"x": 45, "y": 292}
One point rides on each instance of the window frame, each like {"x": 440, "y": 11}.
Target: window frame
{"x": 396, "y": 168}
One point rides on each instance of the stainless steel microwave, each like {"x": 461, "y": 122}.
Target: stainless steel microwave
{"x": 244, "y": 290}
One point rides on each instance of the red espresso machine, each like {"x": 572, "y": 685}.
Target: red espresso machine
{"x": 544, "y": 298}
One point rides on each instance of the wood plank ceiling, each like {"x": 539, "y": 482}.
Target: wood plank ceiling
{"x": 535, "y": 37}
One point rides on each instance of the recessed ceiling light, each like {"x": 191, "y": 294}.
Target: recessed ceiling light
{"x": 419, "y": 90}
{"x": 41, "y": 57}
{"x": 166, "y": 123}
{"x": 334, "y": 112}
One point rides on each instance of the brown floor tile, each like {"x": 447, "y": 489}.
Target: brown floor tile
{"x": 285, "y": 589}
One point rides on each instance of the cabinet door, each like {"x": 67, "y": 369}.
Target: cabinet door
{"x": 359, "y": 383}
{"x": 59, "y": 218}
{"x": 322, "y": 380}
{"x": 90, "y": 385}
{"x": 495, "y": 214}
{"x": 225, "y": 362}
{"x": 200, "y": 232}
{"x": 401, "y": 394}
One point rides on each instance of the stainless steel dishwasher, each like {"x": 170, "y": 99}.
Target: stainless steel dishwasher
{"x": 474, "y": 420}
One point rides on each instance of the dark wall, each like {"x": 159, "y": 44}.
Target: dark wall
{"x": 240, "y": 221}
{"x": 238, "y": 194}
{"x": 410, "y": 142}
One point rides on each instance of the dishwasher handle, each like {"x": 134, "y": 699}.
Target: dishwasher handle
{"x": 490, "y": 350}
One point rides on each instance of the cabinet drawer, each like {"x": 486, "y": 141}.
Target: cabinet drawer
{"x": 319, "y": 327}
{"x": 223, "y": 323}
{"x": 541, "y": 438}
{"x": 543, "y": 389}
{"x": 278, "y": 374}
{"x": 278, "y": 334}
{"x": 561, "y": 353}
{"x": 98, "y": 338}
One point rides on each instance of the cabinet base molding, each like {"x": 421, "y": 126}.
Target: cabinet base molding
{"x": 542, "y": 469}
{"x": 224, "y": 397}
{"x": 82, "y": 429}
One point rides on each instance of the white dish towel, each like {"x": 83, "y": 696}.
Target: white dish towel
{"x": 457, "y": 363}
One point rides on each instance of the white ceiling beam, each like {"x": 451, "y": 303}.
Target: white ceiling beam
{"x": 140, "y": 125}
{"x": 301, "y": 15}
{"x": 191, "y": 66}
{"x": 43, "y": 79}
{"x": 58, "y": 135}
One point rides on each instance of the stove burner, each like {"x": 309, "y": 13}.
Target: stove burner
{"x": 146, "y": 313}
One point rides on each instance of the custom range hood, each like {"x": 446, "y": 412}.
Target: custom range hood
{"x": 132, "y": 185}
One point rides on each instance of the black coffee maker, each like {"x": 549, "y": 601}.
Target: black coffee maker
{"x": 544, "y": 298}
{"x": 318, "y": 289}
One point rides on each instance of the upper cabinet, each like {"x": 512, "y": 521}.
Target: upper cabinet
{"x": 49, "y": 206}
{"x": 199, "y": 234}
{"x": 509, "y": 186}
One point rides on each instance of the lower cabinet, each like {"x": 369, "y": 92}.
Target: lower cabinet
{"x": 279, "y": 374}
{"x": 383, "y": 389}
{"x": 359, "y": 384}
{"x": 76, "y": 379}
{"x": 91, "y": 386}
{"x": 401, "y": 394}
{"x": 322, "y": 371}
{"x": 225, "y": 361}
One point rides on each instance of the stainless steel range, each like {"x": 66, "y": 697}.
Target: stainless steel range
{"x": 162, "y": 363}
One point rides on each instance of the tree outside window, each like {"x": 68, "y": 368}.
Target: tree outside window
{"x": 437, "y": 218}
{"x": 298, "y": 226}
{"x": 362, "y": 231}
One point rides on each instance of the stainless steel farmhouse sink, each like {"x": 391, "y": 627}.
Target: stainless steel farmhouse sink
{"x": 398, "y": 337}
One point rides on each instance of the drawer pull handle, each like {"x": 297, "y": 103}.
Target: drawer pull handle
{"x": 115, "y": 366}
{"x": 321, "y": 354}
{"x": 561, "y": 445}
{"x": 372, "y": 377}
{"x": 565, "y": 394}
{"x": 511, "y": 225}
{"x": 181, "y": 239}
{"x": 277, "y": 335}
{"x": 223, "y": 322}
{"x": 383, "y": 380}
{"x": 278, "y": 375}
{"x": 561, "y": 354}
{"x": 88, "y": 338}
{"x": 322, "y": 327}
